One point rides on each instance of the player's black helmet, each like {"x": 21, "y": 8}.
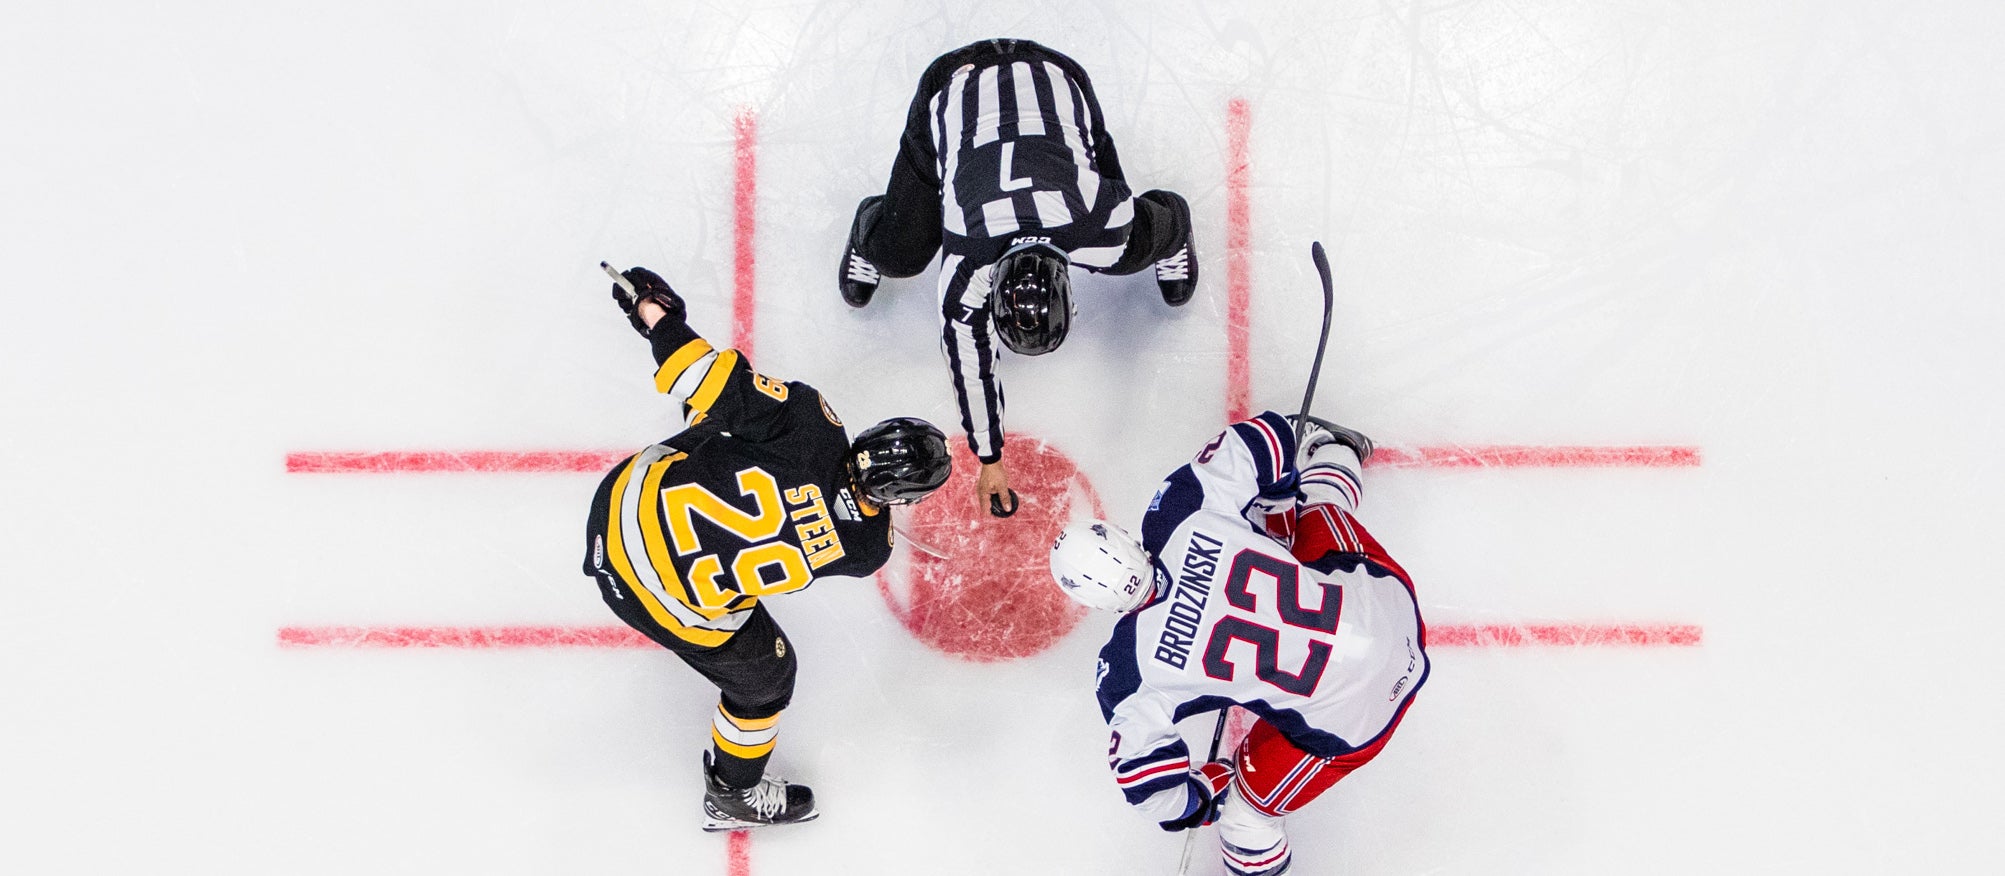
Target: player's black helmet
{"x": 1032, "y": 298}
{"x": 899, "y": 460}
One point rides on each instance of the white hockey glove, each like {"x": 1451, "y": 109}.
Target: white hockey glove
{"x": 1329, "y": 459}
{"x": 1319, "y": 434}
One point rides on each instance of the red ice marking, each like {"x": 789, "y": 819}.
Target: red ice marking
{"x": 744, "y": 200}
{"x": 1516, "y": 635}
{"x": 1521, "y": 456}
{"x": 1238, "y": 723}
{"x": 463, "y": 637}
{"x": 452, "y": 461}
{"x": 992, "y": 598}
{"x": 1238, "y": 260}
{"x": 597, "y": 461}
{"x": 1501, "y": 635}
{"x": 738, "y": 853}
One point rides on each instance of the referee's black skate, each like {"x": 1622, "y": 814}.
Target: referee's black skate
{"x": 771, "y": 801}
{"x": 1176, "y": 276}
{"x": 857, "y": 277}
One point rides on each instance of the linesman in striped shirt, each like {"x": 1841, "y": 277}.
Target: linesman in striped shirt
{"x": 1006, "y": 173}
{"x": 761, "y": 494}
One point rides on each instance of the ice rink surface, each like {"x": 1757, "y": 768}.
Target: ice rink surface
{"x": 233, "y": 231}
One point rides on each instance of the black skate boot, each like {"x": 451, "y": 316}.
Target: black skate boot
{"x": 857, "y": 276}
{"x": 771, "y": 801}
{"x": 1176, "y": 276}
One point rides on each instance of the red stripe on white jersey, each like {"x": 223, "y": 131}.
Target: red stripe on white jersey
{"x": 1273, "y": 446}
{"x": 1153, "y": 771}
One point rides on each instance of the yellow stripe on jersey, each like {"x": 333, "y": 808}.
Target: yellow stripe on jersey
{"x": 614, "y": 546}
{"x": 657, "y": 544}
{"x": 713, "y": 383}
{"x": 671, "y": 370}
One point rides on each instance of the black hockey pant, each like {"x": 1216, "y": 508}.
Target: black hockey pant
{"x": 753, "y": 670}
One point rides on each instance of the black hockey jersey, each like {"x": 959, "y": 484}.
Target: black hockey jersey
{"x": 753, "y": 499}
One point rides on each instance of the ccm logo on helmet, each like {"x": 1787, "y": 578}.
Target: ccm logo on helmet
{"x": 1021, "y": 241}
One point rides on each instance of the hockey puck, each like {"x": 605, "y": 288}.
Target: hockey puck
{"x": 996, "y": 508}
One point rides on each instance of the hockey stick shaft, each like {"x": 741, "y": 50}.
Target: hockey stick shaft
{"x": 1322, "y": 261}
{"x": 621, "y": 279}
{"x": 1190, "y": 836}
{"x": 917, "y": 543}
{"x": 1323, "y": 341}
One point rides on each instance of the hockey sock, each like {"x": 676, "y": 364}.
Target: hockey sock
{"x": 741, "y": 746}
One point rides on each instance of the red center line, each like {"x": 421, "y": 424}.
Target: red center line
{"x": 1489, "y": 635}
{"x": 1536, "y": 456}
{"x": 1238, "y": 260}
{"x": 744, "y": 201}
{"x": 738, "y": 853}
{"x": 1447, "y": 456}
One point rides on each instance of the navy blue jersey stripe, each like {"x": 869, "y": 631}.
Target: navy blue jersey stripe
{"x": 1119, "y": 676}
{"x": 1179, "y": 498}
{"x": 1135, "y": 794}
{"x": 1171, "y": 752}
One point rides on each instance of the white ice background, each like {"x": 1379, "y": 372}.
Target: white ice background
{"x": 1767, "y": 228}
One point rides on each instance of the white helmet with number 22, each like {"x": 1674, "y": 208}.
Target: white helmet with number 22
{"x": 1101, "y": 566}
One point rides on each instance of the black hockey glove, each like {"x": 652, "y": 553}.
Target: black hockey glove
{"x": 1208, "y": 784}
{"x": 648, "y": 286}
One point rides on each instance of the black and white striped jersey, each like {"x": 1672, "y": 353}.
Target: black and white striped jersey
{"x": 1021, "y": 150}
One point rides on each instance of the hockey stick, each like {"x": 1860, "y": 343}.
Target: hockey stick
{"x": 1190, "y": 838}
{"x": 628, "y": 286}
{"x": 917, "y": 544}
{"x": 1322, "y": 261}
{"x": 1322, "y": 343}
{"x": 621, "y": 279}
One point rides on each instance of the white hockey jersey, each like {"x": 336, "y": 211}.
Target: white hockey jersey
{"x": 1330, "y": 653}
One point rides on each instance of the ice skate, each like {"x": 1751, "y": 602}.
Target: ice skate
{"x": 771, "y": 801}
{"x": 1176, "y": 276}
{"x": 857, "y": 276}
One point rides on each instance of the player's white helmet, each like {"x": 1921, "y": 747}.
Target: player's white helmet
{"x": 1101, "y": 566}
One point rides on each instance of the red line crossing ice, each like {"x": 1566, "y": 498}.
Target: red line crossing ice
{"x": 1491, "y": 635}
{"x": 1447, "y": 456}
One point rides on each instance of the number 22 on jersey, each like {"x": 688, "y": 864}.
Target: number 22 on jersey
{"x": 1266, "y": 640}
